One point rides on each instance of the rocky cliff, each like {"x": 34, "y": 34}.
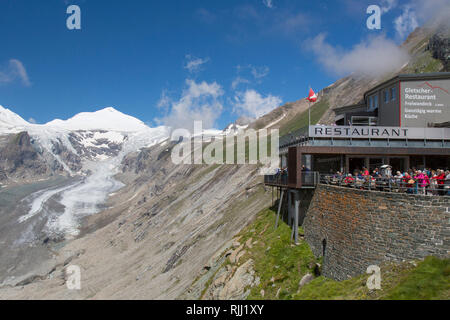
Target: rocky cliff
{"x": 21, "y": 160}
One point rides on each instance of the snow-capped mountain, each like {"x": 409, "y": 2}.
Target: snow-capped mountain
{"x": 88, "y": 136}
{"x": 9, "y": 121}
{"x": 108, "y": 119}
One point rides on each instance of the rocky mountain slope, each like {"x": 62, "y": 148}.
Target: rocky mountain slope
{"x": 428, "y": 48}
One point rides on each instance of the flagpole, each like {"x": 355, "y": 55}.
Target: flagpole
{"x": 309, "y": 111}
{"x": 309, "y": 114}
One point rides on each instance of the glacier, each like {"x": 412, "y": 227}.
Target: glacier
{"x": 94, "y": 131}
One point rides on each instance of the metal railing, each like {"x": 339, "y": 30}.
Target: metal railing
{"x": 310, "y": 179}
{"x": 279, "y": 179}
{"x": 385, "y": 184}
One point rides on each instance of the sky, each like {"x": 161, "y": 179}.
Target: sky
{"x": 172, "y": 62}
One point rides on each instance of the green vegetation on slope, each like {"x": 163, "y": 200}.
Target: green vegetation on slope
{"x": 280, "y": 265}
{"x": 423, "y": 63}
{"x": 427, "y": 279}
{"x": 300, "y": 121}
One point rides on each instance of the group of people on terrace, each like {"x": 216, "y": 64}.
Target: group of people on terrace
{"x": 413, "y": 181}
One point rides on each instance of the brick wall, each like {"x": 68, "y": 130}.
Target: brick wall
{"x": 361, "y": 228}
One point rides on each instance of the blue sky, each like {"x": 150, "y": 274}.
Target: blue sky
{"x": 166, "y": 62}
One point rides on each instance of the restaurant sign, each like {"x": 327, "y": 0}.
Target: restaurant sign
{"x": 360, "y": 132}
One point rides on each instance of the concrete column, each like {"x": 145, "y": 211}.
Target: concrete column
{"x": 289, "y": 197}
{"x": 296, "y": 210}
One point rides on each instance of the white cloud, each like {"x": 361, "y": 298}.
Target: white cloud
{"x": 31, "y": 120}
{"x": 13, "y": 71}
{"x": 289, "y": 23}
{"x": 260, "y": 72}
{"x": 198, "y": 102}
{"x": 375, "y": 56}
{"x": 418, "y": 12}
{"x": 252, "y": 104}
{"x": 249, "y": 71}
{"x": 206, "y": 16}
{"x": 432, "y": 10}
{"x": 239, "y": 80}
{"x": 164, "y": 101}
{"x": 268, "y": 3}
{"x": 406, "y": 22}
{"x": 194, "y": 64}
{"x": 387, "y": 5}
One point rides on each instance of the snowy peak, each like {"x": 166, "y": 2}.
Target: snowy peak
{"x": 108, "y": 119}
{"x": 9, "y": 119}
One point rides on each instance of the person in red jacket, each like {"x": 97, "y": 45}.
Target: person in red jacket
{"x": 349, "y": 179}
{"x": 440, "y": 178}
{"x": 365, "y": 172}
{"x": 408, "y": 181}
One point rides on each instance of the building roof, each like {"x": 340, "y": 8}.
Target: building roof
{"x": 352, "y": 107}
{"x": 409, "y": 76}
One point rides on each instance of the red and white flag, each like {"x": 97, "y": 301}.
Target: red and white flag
{"x": 312, "y": 96}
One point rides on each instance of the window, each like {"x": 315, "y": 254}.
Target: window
{"x": 386, "y": 96}
{"x": 373, "y": 102}
{"x": 364, "y": 121}
{"x": 393, "y": 94}
{"x": 370, "y": 103}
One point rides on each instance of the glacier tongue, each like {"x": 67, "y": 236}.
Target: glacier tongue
{"x": 84, "y": 199}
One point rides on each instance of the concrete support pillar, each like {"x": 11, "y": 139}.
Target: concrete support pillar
{"x": 297, "y": 207}
{"x": 289, "y": 201}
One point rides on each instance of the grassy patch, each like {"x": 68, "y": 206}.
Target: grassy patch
{"x": 279, "y": 264}
{"x": 429, "y": 279}
{"x": 425, "y": 63}
{"x": 301, "y": 120}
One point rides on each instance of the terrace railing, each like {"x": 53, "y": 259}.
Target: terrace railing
{"x": 280, "y": 179}
{"x": 310, "y": 179}
{"x": 386, "y": 184}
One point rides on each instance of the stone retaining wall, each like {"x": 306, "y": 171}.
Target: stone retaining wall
{"x": 353, "y": 229}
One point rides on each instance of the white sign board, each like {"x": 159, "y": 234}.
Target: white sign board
{"x": 424, "y": 102}
{"x": 360, "y": 132}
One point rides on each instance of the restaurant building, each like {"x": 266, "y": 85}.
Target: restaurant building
{"x": 403, "y": 122}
